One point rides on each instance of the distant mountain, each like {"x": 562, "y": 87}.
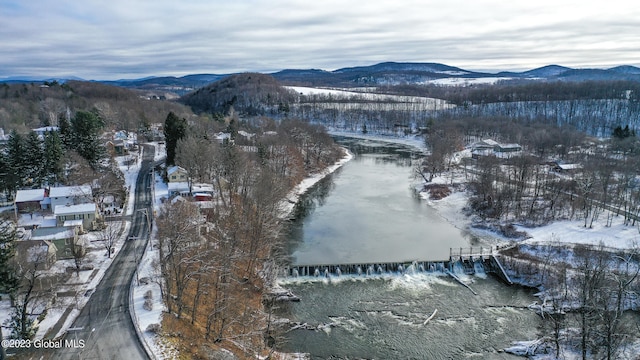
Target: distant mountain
{"x": 37, "y": 79}
{"x": 386, "y": 73}
{"x": 392, "y": 73}
{"x": 393, "y": 67}
{"x": 378, "y": 74}
{"x": 545, "y": 71}
{"x": 626, "y": 69}
{"x": 170, "y": 84}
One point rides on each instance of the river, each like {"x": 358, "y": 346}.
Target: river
{"x": 368, "y": 212}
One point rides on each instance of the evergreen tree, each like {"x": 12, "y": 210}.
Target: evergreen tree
{"x": 174, "y": 130}
{"x": 8, "y": 278}
{"x": 621, "y": 133}
{"x": 16, "y": 156}
{"x": 53, "y": 158}
{"x": 34, "y": 157}
{"x": 64, "y": 128}
{"x": 86, "y": 128}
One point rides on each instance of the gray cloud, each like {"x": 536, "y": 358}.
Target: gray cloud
{"x": 118, "y": 39}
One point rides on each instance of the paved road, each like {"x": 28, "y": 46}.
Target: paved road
{"x": 105, "y": 323}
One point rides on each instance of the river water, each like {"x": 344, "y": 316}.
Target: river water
{"x": 367, "y": 212}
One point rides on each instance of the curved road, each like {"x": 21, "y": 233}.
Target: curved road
{"x": 105, "y": 322}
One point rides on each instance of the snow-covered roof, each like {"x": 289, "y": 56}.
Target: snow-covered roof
{"x": 490, "y": 142}
{"x": 178, "y": 198}
{"x": 29, "y": 195}
{"x": 222, "y": 136}
{"x": 73, "y": 223}
{"x": 45, "y": 129}
{"x": 246, "y": 134}
{"x": 509, "y": 146}
{"x": 202, "y": 188}
{"x": 58, "y": 233}
{"x": 175, "y": 168}
{"x": 64, "y": 191}
{"x": 75, "y": 209}
{"x": 570, "y": 166}
{"x": 48, "y": 222}
{"x": 178, "y": 186}
{"x": 35, "y": 250}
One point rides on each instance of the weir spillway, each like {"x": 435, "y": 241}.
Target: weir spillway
{"x": 468, "y": 261}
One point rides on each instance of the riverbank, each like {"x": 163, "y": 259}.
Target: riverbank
{"x": 294, "y": 195}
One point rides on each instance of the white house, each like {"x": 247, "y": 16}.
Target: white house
{"x": 86, "y": 213}
{"x": 178, "y": 188}
{"x": 70, "y": 195}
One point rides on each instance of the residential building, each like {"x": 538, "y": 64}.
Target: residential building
{"x": 70, "y": 195}
{"x": 30, "y": 200}
{"x": 87, "y": 214}
{"x": 178, "y": 188}
{"x": 40, "y": 253}
{"x": 489, "y": 147}
{"x": 65, "y": 239}
{"x": 177, "y": 174}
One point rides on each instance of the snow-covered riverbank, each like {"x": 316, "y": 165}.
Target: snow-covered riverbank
{"x": 294, "y": 195}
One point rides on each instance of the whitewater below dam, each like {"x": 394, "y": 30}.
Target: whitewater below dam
{"x": 367, "y": 212}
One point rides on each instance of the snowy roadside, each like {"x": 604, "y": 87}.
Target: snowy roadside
{"x": 76, "y": 291}
{"x": 147, "y": 305}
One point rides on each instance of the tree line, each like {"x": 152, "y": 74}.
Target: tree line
{"x": 587, "y": 303}
{"x": 214, "y": 261}
{"x": 528, "y": 188}
{"x": 31, "y": 161}
{"x": 28, "y": 106}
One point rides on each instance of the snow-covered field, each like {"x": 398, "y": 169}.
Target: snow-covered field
{"x": 340, "y": 94}
{"x": 467, "y": 81}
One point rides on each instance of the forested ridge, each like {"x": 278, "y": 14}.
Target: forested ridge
{"x": 248, "y": 93}
{"x": 33, "y": 105}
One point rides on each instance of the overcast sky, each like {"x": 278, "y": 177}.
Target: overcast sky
{"x": 113, "y": 39}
